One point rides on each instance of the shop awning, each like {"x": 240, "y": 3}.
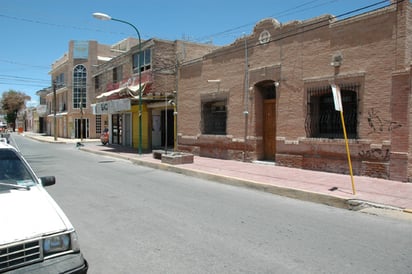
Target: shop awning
{"x": 136, "y": 88}
{"x": 58, "y": 114}
{"x": 131, "y": 90}
{"x": 111, "y": 92}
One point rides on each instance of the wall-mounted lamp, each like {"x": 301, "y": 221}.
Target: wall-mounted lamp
{"x": 276, "y": 83}
{"x": 336, "y": 60}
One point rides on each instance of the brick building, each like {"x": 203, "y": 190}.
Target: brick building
{"x": 268, "y": 96}
{"x": 116, "y": 86}
{"x": 71, "y": 77}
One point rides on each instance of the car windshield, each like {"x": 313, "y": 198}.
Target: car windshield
{"x": 13, "y": 171}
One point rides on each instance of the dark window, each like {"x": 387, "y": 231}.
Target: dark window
{"x": 142, "y": 60}
{"x": 97, "y": 82}
{"x": 214, "y": 117}
{"x": 117, "y": 74}
{"x": 60, "y": 81}
{"x": 323, "y": 121}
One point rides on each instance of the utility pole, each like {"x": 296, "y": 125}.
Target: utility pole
{"x": 55, "y": 110}
{"x": 81, "y": 116}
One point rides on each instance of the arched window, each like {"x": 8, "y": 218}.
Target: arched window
{"x": 79, "y": 86}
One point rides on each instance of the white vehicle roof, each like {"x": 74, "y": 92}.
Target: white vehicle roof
{"x": 5, "y": 145}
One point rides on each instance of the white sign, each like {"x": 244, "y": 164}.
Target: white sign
{"x": 112, "y": 106}
{"x": 337, "y": 98}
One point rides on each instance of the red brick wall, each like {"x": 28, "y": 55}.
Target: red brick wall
{"x": 399, "y": 129}
{"x": 373, "y": 46}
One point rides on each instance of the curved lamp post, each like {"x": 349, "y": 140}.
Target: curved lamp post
{"x": 105, "y": 17}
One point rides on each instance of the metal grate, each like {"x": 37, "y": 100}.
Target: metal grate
{"x": 322, "y": 121}
{"x": 19, "y": 255}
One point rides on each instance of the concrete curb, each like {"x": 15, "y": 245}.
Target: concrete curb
{"x": 277, "y": 190}
{"x": 298, "y": 194}
{"x": 304, "y": 195}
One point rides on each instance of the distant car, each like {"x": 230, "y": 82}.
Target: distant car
{"x": 35, "y": 234}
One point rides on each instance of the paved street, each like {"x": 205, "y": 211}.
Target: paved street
{"x": 135, "y": 219}
{"x": 321, "y": 187}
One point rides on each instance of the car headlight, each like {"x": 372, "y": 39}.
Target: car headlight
{"x": 60, "y": 243}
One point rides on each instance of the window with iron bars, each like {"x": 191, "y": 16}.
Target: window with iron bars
{"x": 98, "y": 124}
{"x": 323, "y": 121}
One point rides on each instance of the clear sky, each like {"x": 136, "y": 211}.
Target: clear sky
{"x": 35, "y": 33}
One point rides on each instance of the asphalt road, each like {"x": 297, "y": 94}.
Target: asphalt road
{"x": 133, "y": 219}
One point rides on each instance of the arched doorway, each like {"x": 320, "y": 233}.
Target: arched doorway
{"x": 267, "y": 94}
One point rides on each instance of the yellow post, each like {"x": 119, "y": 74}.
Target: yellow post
{"x": 347, "y": 152}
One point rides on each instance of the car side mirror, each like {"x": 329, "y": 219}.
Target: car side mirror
{"x": 48, "y": 180}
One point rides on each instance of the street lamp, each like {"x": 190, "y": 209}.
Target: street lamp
{"x": 105, "y": 17}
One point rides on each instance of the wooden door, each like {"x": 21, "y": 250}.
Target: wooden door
{"x": 269, "y": 129}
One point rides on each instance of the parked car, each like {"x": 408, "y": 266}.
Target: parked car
{"x": 35, "y": 234}
{"x": 3, "y": 127}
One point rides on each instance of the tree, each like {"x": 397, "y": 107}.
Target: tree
{"x": 11, "y": 103}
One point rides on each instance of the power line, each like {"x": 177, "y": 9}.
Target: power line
{"x": 33, "y": 21}
{"x": 290, "y": 11}
{"x": 284, "y": 35}
{"x": 20, "y": 78}
{"x": 22, "y": 64}
{"x": 309, "y": 27}
{"x": 21, "y": 84}
{"x": 45, "y": 23}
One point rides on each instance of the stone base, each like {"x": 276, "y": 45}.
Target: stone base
{"x": 177, "y": 158}
{"x": 157, "y": 154}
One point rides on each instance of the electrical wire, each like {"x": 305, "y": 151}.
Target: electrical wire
{"x": 299, "y": 8}
{"x": 308, "y": 27}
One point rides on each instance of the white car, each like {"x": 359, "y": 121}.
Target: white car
{"x": 35, "y": 234}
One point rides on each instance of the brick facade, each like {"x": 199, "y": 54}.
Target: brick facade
{"x": 160, "y": 85}
{"x": 368, "y": 56}
{"x": 62, "y": 72}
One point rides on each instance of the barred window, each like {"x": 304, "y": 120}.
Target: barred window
{"x": 323, "y": 121}
{"x": 214, "y": 117}
{"x": 98, "y": 124}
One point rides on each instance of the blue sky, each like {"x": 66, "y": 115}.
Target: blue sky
{"x": 34, "y": 34}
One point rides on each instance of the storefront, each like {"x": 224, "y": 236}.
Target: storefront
{"x": 119, "y": 117}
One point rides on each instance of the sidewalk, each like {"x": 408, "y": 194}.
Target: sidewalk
{"x": 321, "y": 187}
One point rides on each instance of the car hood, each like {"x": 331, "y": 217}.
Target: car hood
{"x": 27, "y": 214}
